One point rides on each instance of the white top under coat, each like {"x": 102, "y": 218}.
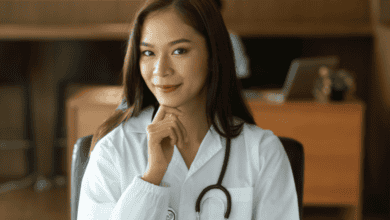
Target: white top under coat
{"x": 258, "y": 177}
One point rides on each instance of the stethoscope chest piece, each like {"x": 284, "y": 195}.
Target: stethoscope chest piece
{"x": 171, "y": 215}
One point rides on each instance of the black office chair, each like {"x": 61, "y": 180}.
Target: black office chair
{"x": 294, "y": 150}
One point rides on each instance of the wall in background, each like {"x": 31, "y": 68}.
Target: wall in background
{"x": 235, "y": 11}
{"x": 379, "y": 167}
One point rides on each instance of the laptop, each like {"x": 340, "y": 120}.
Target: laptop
{"x": 299, "y": 82}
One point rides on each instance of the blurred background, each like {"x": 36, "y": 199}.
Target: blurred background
{"x": 50, "y": 49}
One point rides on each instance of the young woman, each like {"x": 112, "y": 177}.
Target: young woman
{"x": 187, "y": 147}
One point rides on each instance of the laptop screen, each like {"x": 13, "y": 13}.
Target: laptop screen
{"x": 302, "y": 75}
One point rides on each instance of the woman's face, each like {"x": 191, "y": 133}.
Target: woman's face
{"x": 173, "y": 53}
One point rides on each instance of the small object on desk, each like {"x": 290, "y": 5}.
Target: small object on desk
{"x": 275, "y": 98}
{"x": 334, "y": 85}
{"x": 323, "y": 85}
{"x": 343, "y": 87}
{"x": 251, "y": 94}
{"x": 267, "y": 96}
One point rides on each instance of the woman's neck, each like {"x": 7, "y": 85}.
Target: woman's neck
{"x": 194, "y": 120}
{"x": 195, "y": 123}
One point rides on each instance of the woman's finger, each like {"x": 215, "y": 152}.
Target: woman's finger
{"x": 159, "y": 115}
{"x": 163, "y": 110}
{"x": 173, "y": 136}
{"x": 181, "y": 128}
{"x": 173, "y": 123}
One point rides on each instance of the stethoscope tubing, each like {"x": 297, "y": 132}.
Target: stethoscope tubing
{"x": 217, "y": 186}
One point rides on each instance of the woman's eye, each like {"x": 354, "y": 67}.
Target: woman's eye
{"x": 150, "y": 53}
{"x": 146, "y": 53}
{"x": 182, "y": 50}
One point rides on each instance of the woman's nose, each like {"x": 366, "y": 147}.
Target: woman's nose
{"x": 162, "y": 66}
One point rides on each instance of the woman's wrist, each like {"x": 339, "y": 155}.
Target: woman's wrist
{"x": 154, "y": 176}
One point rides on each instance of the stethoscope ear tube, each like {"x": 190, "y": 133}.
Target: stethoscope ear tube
{"x": 217, "y": 186}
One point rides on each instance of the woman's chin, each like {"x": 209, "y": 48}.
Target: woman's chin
{"x": 168, "y": 103}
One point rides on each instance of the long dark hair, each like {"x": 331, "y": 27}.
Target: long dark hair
{"x": 219, "y": 4}
{"x": 223, "y": 89}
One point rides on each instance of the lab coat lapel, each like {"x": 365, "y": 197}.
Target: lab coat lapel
{"x": 212, "y": 143}
{"x": 209, "y": 147}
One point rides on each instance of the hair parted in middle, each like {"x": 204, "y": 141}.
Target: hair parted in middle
{"x": 224, "y": 99}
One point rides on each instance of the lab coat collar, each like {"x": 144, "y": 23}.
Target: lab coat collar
{"x": 140, "y": 123}
{"x": 210, "y": 146}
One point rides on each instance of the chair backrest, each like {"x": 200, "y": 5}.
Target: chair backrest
{"x": 79, "y": 164}
{"x": 293, "y": 148}
{"x": 296, "y": 156}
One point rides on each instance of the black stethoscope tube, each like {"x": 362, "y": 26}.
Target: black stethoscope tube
{"x": 217, "y": 186}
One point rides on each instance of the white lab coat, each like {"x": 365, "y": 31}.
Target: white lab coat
{"x": 258, "y": 177}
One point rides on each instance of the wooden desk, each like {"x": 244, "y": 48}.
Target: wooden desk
{"x": 86, "y": 110}
{"x": 332, "y": 136}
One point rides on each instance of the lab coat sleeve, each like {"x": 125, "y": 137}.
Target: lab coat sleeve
{"x": 101, "y": 196}
{"x": 275, "y": 195}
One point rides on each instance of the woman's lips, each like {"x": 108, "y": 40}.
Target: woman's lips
{"x": 167, "y": 89}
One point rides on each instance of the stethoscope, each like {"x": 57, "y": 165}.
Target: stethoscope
{"x": 172, "y": 214}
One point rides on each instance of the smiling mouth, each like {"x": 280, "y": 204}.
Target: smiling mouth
{"x": 167, "y": 89}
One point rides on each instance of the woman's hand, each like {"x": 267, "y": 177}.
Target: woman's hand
{"x": 165, "y": 131}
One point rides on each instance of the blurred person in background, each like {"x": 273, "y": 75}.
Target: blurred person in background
{"x": 240, "y": 57}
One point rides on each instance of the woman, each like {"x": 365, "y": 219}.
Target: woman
{"x": 154, "y": 160}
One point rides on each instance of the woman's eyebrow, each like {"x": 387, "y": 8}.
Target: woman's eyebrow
{"x": 170, "y": 44}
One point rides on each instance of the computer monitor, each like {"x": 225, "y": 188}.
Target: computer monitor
{"x": 302, "y": 75}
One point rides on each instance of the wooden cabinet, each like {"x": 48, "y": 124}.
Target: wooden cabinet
{"x": 65, "y": 12}
{"x": 242, "y": 11}
{"x": 332, "y": 136}
{"x": 86, "y": 110}
{"x": 297, "y": 18}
